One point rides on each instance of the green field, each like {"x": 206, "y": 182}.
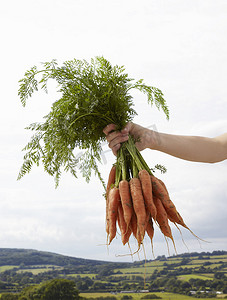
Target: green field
{"x": 189, "y": 276}
{"x": 171, "y": 274}
{"x": 139, "y": 270}
{"x": 6, "y": 267}
{"x": 39, "y": 269}
{"x": 90, "y": 275}
{"x": 137, "y": 296}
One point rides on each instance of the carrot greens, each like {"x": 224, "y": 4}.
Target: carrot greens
{"x": 92, "y": 95}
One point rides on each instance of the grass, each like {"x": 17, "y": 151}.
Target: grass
{"x": 137, "y": 296}
{"x": 221, "y": 296}
{"x": 219, "y": 257}
{"x": 216, "y": 260}
{"x": 140, "y": 270}
{"x": 37, "y": 270}
{"x": 4, "y": 268}
{"x": 189, "y": 266}
{"x": 149, "y": 266}
{"x": 33, "y": 271}
{"x": 212, "y": 260}
{"x": 189, "y": 276}
{"x": 214, "y": 266}
{"x": 135, "y": 271}
{"x": 160, "y": 263}
{"x": 91, "y": 275}
{"x": 198, "y": 261}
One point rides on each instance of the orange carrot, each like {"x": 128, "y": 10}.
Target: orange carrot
{"x": 148, "y": 216}
{"x": 147, "y": 192}
{"x": 125, "y": 230}
{"x": 150, "y": 229}
{"x": 176, "y": 218}
{"x": 160, "y": 191}
{"x": 126, "y": 200}
{"x": 125, "y": 237}
{"x": 162, "y": 218}
{"x": 107, "y": 216}
{"x": 111, "y": 178}
{"x": 114, "y": 200}
{"x": 107, "y": 225}
{"x": 138, "y": 235}
{"x": 110, "y": 182}
{"x": 163, "y": 184}
{"x": 120, "y": 218}
{"x": 139, "y": 206}
{"x": 133, "y": 224}
{"x": 173, "y": 214}
{"x": 150, "y": 232}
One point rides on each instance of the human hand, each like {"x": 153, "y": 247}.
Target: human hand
{"x": 115, "y": 138}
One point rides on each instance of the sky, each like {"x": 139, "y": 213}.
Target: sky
{"x": 179, "y": 46}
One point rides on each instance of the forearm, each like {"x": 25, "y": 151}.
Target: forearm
{"x": 192, "y": 148}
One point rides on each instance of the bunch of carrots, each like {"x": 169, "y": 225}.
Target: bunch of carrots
{"x": 135, "y": 199}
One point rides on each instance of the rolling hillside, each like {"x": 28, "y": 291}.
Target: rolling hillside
{"x": 14, "y": 256}
{"x": 188, "y": 273}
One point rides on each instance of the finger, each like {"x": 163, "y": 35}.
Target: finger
{"x": 117, "y": 141}
{"x": 109, "y": 128}
{"x": 116, "y": 148}
{"x": 113, "y": 135}
{"x": 125, "y": 130}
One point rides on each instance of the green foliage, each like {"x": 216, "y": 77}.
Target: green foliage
{"x": 92, "y": 96}
{"x": 102, "y": 298}
{"x": 151, "y": 296}
{"x": 61, "y": 289}
{"x": 161, "y": 168}
{"x": 126, "y": 297}
{"x": 9, "y": 296}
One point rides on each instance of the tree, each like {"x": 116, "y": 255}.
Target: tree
{"x": 61, "y": 289}
{"x": 9, "y": 296}
{"x": 151, "y": 296}
{"x": 185, "y": 285}
{"x": 56, "y": 289}
{"x": 219, "y": 275}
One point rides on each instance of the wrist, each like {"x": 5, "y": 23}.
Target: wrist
{"x": 152, "y": 139}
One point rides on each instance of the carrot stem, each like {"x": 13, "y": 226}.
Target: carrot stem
{"x": 118, "y": 169}
{"x": 123, "y": 164}
{"x": 135, "y": 170}
{"x": 130, "y": 145}
{"x": 136, "y": 155}
{"x": 145, "y": 165}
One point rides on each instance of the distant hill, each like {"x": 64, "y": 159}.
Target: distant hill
{"x": 14, "y": 256}
{"x": 28, "y": 257}
{"x": 182, "y": 274}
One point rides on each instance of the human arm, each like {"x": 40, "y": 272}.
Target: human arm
{"x": 192, "y": 148}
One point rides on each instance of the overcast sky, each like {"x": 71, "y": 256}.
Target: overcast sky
{"x": 179, "y": 46}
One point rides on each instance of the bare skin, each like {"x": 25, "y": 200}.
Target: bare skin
{"x": 191, "y": 148}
